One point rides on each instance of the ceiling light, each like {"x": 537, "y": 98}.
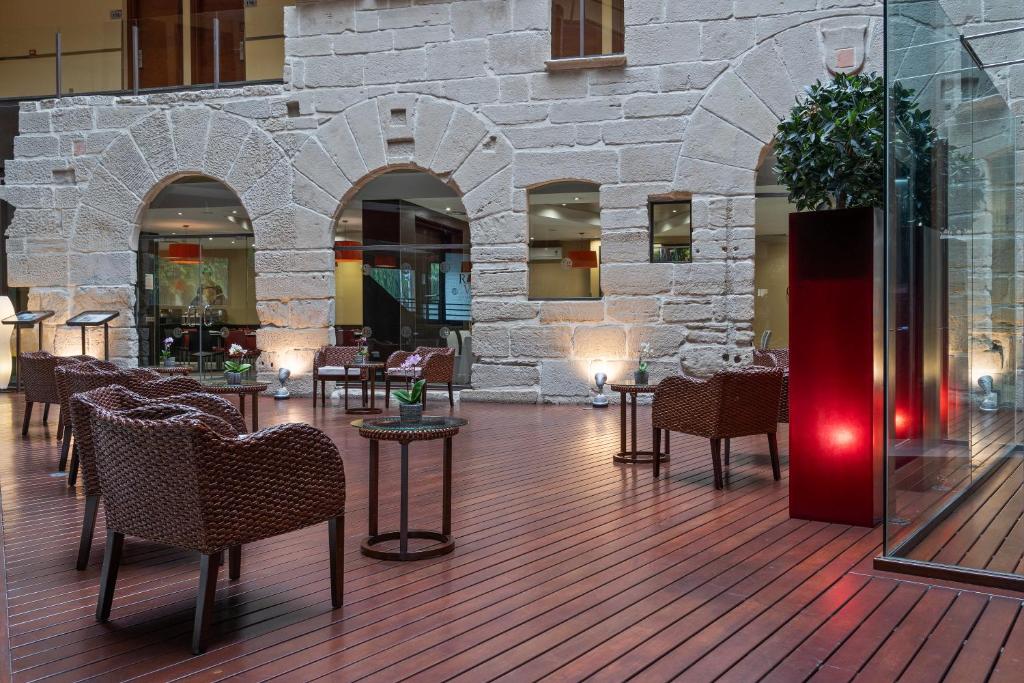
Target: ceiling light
{"x": 575, "y": 199}
{"x": 447, "y": 208}
{"x": 234, "y": 211}
{"x": 232, "y": 219}
{"x": 675, "y": 210}
{"x": 180, "y": 213}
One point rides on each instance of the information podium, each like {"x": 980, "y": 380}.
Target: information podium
{"x": 94, "y": 319}
{"x": 20, "y": 321}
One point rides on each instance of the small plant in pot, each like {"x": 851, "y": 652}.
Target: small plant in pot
{"x": 166, "y": 356}
{"x": 640, "y": 376}
{"x": 410, "y": 403}
{"x": 234, "y": 369}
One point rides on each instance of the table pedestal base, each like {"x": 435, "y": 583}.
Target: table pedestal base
{"x": 446, "y": 541}
{"x": 638, "y": 457}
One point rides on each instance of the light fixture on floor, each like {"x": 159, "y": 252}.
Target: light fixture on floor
{"x": 600, "y": 400}
{"x": 282, "y": 376}
{"x": 990, "y": 401}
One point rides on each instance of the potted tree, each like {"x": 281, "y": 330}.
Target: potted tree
{"x": 831, "y": 159}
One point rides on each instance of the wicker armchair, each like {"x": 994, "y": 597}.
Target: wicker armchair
{"x": 328, "y": 366}
{"x": 40, "y": 384}
{"x": 93, "y": 374}
{"x": 177, "y": 476}
{"x": 732, "y": 403}
{"x": 777, "y": 358}
{"x": 117, "y": 397}
{"x": 437, "y": 366}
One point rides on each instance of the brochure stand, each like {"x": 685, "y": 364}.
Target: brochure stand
{"x": 95, "y": 319}
{"x": 20, "y": 321}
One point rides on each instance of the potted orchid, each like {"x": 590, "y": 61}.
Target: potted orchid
{"x": 165, "y": 354}
{"x": 362, "y": 352}
{"x": 233, "y": 369}
{"x": 410, "y": 403}
{"x": 641, "y": 376}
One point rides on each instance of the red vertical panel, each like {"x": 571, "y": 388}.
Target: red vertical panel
{"x": 833, "y": 473}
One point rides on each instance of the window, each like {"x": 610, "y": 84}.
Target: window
{"x": 565, "y": 241}
{"x": 670, "y": 232}
{"x": 586, "y": 28}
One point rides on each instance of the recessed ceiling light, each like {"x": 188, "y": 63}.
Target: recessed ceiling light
{"x": 563, "y": 204}
{"x": 180, "y": 213}
{"x": 447, "y": 208}
{"x": 186, "y": 225}
{"x": 234, "y": 211}
{"x": 575, "y": 199}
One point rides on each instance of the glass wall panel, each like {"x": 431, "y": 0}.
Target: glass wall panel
{"x": 402, "y": 269}
{"x": 952, "y": 474}
{"x": 671, "y": 232}
{"x": 585, "y": 28}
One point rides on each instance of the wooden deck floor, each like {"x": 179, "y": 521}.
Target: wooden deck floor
{"x": 566, "y": 567}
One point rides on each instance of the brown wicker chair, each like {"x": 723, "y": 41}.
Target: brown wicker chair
{"x": 437, "y": 366}
{"x": 40, "y": 385}
{"x": 93, "y": 375}
{"x": 777, "y": 358}
{"x": 730, "y": 404}
{"x": 117, "y": 397}
{"x": 327, "y": 366}
{"x": 177, "y": 476}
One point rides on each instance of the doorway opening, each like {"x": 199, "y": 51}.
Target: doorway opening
{"x": 402, "y": 268}
{"x": 771, "y": 257}
{"x": 197, "y": 286}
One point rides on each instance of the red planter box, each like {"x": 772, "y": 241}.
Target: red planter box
{"x": 835, "y": 397}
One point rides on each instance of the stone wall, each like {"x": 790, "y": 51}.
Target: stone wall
{"x": 460, "y": 89}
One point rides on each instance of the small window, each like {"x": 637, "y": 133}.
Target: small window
{"x": 565, "y": 241}
{"x": 671, "y": 232}
{"x": 586, "y": 28}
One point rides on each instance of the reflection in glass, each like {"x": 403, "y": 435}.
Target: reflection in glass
{"x": 402, "y": 269}
{"x": 771, "y": 255}
{"x": 565, "y": 241}
{"x": 197, "y": 275}
{"x": 952, "y": 354}
{"x": 584, "y": 28}
{"x": 670, "y": 232}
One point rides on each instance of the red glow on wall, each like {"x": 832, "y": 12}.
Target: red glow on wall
{"x": 835, "y": 471}
{"x": 900, "y": 423}
{"x": 583, "y": 259}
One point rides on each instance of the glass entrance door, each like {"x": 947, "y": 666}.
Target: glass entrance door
{"x": 196, "y": 299}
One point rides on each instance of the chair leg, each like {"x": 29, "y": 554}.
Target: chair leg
{"x": 773, "y": 448}
{"x": 73, "y": 466}
{"x": 656, "y": 456}
{"x": 46, "y": 413}
{"x": 716, "y": 461}
{"x": 314, "y": 391}
{"x": 387, "y": 390}
{"x": 65, "y": 449}
{"x": 423, "y": 396}
{"x": 92, "y": 506}
{"x": 336, "y": 544}
{"x": 28, "y": 416}
{"x": 451, "y": 395}
{"x": 234, "y": 562}
{"x": 108, "y": 574}
{"x": 208, "y": 565}
{"x": 728, "y": 443}
{"x": 60, "y": 425}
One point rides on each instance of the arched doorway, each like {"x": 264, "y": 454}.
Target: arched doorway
{"x": 402, "y": 268}
{"x": 196, "y": 276}
{"x": 771, "y": 257}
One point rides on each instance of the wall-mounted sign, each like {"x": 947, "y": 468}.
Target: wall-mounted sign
{"x": 116, "y": 14}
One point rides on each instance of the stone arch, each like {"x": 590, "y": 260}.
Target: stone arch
{"x": 157, "y": 149}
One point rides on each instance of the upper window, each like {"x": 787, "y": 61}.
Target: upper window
{"x": 671, "y": 232}
{"x": 565, "y": 241}
{"x": 586, "y": 28}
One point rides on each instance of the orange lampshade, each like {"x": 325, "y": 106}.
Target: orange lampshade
{"x": 342, "y": 254}
{"x": 183, "y": 252}
{"x": 467, "y": 266}
{"x": 385, "y": 261}
{"x": 583, "y": 259}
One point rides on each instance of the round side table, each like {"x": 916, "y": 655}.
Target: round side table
{"x": 370, "y": 369}
{"x": 630, "y": 390}
{"x": 392, "y": 429}
{"x": 246, "y": 388}
{"x": 172, "y": 369}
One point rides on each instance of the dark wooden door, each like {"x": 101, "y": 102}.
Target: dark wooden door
{"x": 160, "y": 42}
{"x": 232, "y": 40}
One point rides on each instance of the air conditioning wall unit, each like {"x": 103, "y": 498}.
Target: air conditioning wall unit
{"x": 545, "y": 253}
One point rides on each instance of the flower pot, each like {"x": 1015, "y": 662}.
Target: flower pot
{"x": 169, "y": 362}
{"x": 233, "y": 378}
{"x": 410, "y": 413}
{"x": 640, "y": 377}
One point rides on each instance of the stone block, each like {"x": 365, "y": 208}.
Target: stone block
{"x": 490, "y": 341}
{"x": 420, "y": 36}
{"x": 35, "y": 122}
{"x": 690, "y": 75}
{"x": 632, "y": 309}
{"x": 394, "y": 67}
{"x": 571, "y": 311}
{"x": 644, "y": 131}
{"x": 663, "y": 104}
{"x": 226, "y": 137}
{"x": 271, "y": 192}
{"x": 499, "y": 282}
{"x": 311, "y": 313}
{"x": 490, "y": 376}
{"x": 733, "y": 101}
{"x": 662, "y": 340}
{"x": 258, "y": 155}
{"x": 539, "y": 341}
{"x": 713, "y": 139}
{"x": 650, "y": 278}
{"x": 518, "y": 53}
{"x": 707, "y": 177}
{"x": 153, "y": 138}
{"x": 480, "y": 18}
{"x": 341, "y": 70}
{"x": 502, "y": 228}
{"x": 699, "y": 11}
{"x": 565, "y": 378}
{"x": 124, "y": 161}
{"x": 72, "y": 118}
{"x": 663, "y": 43}
{"x": 645, "y": 163}
{"x": 102, "y": 268}
{"x": 472, "y": 90}
{"x": 591, "y": 109}
{"x": 432, "y": 119}
{"x": 108, "y": 195}
{"x": 294, "y": 261}
{"x": 189, "y": 126}
{"x": 291, "y": 226}
{"x": 502, "y": 310}
{"x": 726, "y": 39}
{"x": 330, "y": 16}
{"x": 421, "y": 15}
{"x": 531, "y": 15}
{"x": 626, "y": 81}
{"x": 313, "y": 163}
{"x": 700, "y": 278}
{"x": 595, "y": 165}
{"x": 461, "y": 59}
{"x": 511, "y": 114}
{"x": 95, "y": 230}
{"x": 558, "y": 85}
{"x": 687, "y": 310}
{"x": 278, "y": 340}
{"x": 493, "y": 196}
{"x": 499, "y": 396}
{"x": 603, "y": 342}
{"x": 465, "y": 131}
{"x": 626, "y": 246}
{"x": 36, "y": 146}
{"x": 273, "y": 313}
{"x": 490, "y": 156}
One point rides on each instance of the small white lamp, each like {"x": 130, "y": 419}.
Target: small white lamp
{"x": 282, "y": 376}
{"x": 6, "y": 332}
{"x": 990, "y": 400}
{"x": 600, "y": 400}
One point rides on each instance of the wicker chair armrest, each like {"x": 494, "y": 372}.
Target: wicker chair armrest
{"x": 685, "y": 404}
{"x": 318, "y": 359}
{"x": 217, "y": 406}
{"x": 438, "y": 367}
{"x": 267, "y": 483}
{"x": 397, "y": 358}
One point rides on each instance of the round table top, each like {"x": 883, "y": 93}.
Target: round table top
{"x": 393, "y": 429}
{"x": 631, "y": 387}
{"x": 171, "y": 369}
{"x": 370, "y": 364}
{"x": 221, "y": 386}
